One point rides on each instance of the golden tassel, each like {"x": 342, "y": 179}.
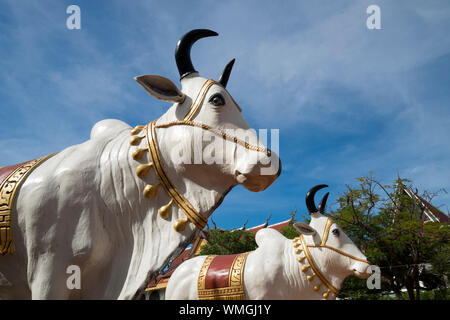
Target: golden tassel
{"x": 310, "y": 278}
{"x": 138, "y": 153}
{"x": 136, "y": 130}
{"x": 300, "y": 259}
{"x": 150, "y": 190}
{"x": 143, "y": 169}
{"x": 325, "y": 295}
{"x": 135, "y": 140}
{"x": 317, "y": 287}
{"x": 164, "y": 210}
{"x": 305, "y": 268}
{"x": 180, "y": 225}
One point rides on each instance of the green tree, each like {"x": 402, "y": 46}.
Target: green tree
{"x": 289, "y": 231}
{"x": 388, "y": 225}
{"x": 228, "y": 242}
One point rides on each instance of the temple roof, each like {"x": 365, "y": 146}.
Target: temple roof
{"x": 431, "y": 212}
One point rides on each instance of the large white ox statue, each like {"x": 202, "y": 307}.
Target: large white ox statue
{"x": 312, "y": 266}
{"x": 118, "y": 210}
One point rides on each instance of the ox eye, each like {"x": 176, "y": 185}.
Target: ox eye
{"x": 335, "y": 232}
{"x": 217, "y": 100}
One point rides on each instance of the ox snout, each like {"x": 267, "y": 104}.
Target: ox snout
{"x": 260, "y": 177}
{"x": 362, "y": 270}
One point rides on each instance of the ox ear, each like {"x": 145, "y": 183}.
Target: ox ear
{"x": 161, "y": 88}
{"x": 304, "y": 228}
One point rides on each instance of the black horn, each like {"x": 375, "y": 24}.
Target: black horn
{"x": 223, "y": 80}
{"x": 310, "y": 198}
{"x": 323, "y": 203}
{"x": 183, "y": 50}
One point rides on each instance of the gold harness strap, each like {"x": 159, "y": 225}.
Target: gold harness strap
{"x": 8, "y": 191}
{"x": 315, "y": 269}
{"x": 192, "y": 215}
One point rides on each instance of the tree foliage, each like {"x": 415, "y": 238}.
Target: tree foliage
{"x": 228, "y": 242}
{"x": 389, "y": 227}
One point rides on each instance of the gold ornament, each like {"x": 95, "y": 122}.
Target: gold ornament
{"x": 136, "y": 130}
{"x": 138, "y": 153}
{"x": 135, "y": 140}
{"x": 300, "y": 259}
{"x": 164, "y": 210}
{"x": 298, "y": 251}
{"x": 305, "y": 268}
{"x": 325, "y": 295}
{"x": 316, "y": 287}
{"x": 143, "y": 169}
{"x": 296, "y": 245}
{"x": 180, "y": 225}
{"x": 150, "y": 190}
{"x": 310, "y": 278}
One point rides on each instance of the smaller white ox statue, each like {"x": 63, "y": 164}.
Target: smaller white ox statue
{"x": 312, "y": 266}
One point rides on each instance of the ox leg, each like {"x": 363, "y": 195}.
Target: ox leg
{"x": 50, "y": 280}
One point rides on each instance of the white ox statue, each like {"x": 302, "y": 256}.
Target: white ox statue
{"x": 311, "y": 267}
{"x": 97, "y": 206}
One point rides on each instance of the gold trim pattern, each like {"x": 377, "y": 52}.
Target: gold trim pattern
{"x": 8, "y": 190}
{"x": 203, "y": 271}
{"x": 235, "y": 289}
{"x": 161, "y": 285}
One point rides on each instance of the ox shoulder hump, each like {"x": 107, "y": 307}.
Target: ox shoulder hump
{"x": 108, "y": 127}
{"x": 268, "y": 235}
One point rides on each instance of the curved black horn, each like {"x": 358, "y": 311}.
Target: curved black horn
{"x": 183, "y": 50}
{"x": 223, "y": 80}
{"x": 310, "y": 198}
{"x": 323, "y": 203}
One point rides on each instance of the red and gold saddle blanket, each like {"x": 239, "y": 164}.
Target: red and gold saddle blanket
{"x": 222, "y": 277}
{"x": 11, "y": 178}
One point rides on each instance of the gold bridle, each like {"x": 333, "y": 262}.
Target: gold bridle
{"x": 150, "y": 191}
{"x": 313, "y": 265}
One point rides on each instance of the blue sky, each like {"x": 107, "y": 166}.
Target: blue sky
{"x": 347, "y": 100}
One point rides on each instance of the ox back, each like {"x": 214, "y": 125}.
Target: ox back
{"x": 222, "y": 277}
